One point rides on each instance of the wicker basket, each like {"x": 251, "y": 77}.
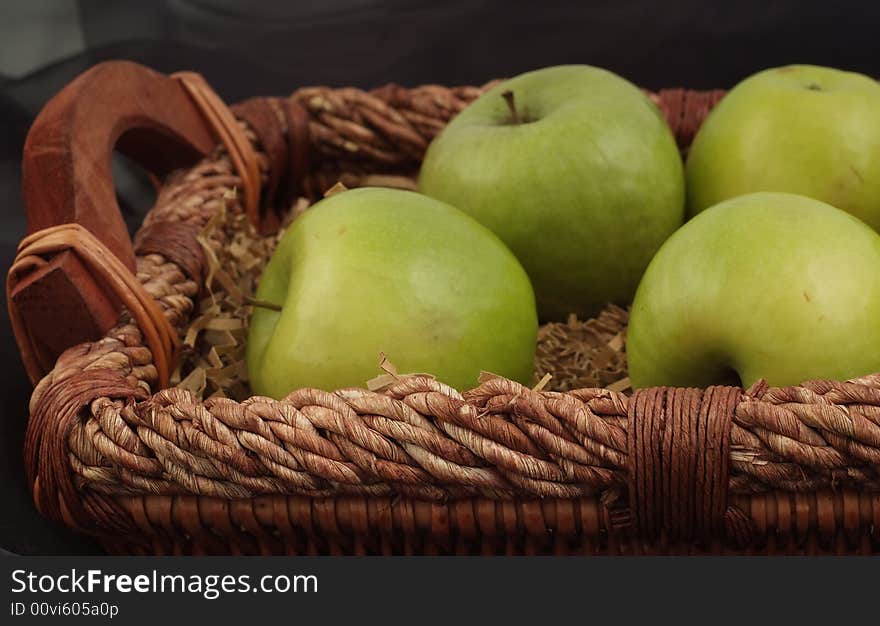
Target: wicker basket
{"x": 416, "y": 468}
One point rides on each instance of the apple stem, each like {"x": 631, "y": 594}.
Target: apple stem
{"x": 262, "y": 304}
{"x": 511, "y": 104}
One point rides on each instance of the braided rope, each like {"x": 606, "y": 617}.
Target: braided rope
{"x": 358, "y": 133}
{"x": 422, "y": 439}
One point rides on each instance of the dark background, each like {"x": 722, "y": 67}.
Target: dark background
{"x": 262, "y": 47}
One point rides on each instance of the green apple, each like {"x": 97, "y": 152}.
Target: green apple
{"x": 802, "y": 129}
{"x": 767, "y": 285}
{"x": 379, "y": 270}
{"x": 576, "y": 171}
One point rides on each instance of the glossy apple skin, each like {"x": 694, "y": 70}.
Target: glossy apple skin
{"x": 379, "y": 270}
{"x": 807, "y": 130}
{"x": 767, "y": 285}
{"x": 583, "y": 193}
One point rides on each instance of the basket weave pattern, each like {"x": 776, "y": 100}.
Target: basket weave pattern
{"x": 419, "y": 467}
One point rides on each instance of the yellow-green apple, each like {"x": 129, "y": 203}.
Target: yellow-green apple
{"x": 802, "y": 129}
{"x": 379, "y": 270}
{"x": 576, "y": 171}
{"x": 766, "y": 285}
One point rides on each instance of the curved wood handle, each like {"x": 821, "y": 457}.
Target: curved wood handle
{"x": 67, "y": 178}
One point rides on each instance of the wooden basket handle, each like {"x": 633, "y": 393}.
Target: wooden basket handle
{"x": 67, "y": 179}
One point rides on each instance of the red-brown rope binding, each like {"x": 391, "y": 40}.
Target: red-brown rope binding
{"x": 115, "y": 277}
{"x": 231, "y": 135}
{"x": 679, "y": 450}
{"x": 281, "y": 126}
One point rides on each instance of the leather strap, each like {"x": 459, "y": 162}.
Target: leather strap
{"x": 113, "y": 275}
{"x": 229, "y": 132}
